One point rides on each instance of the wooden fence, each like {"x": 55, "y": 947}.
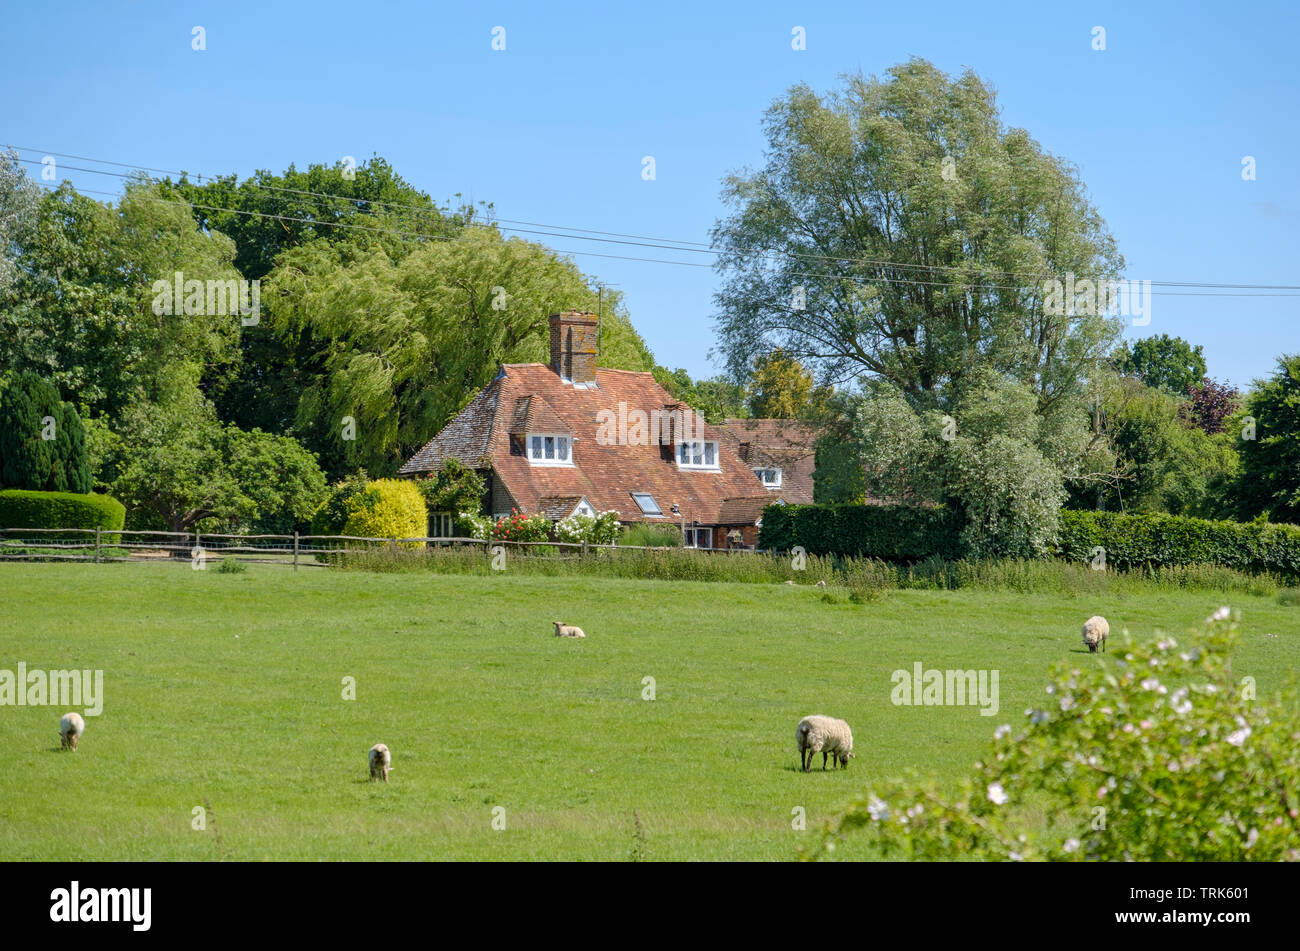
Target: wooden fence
{"x": 101, "y": 545}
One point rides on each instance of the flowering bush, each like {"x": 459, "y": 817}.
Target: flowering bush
{"x": 477, "y": 526}
{"x": 599, "y": 529}
{"x": 517, "y": 527}
{"x": 1157, "y": 755}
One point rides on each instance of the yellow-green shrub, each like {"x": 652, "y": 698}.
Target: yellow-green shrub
{"x": 388, "y": 508}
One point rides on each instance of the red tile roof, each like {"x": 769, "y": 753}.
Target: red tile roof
{"x": 606, "y": 475}
{"x": 787, "y": 444}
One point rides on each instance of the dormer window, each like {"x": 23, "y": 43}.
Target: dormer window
{"x": 549, "y": 450}
{"x": 770, "y": 477}
{"x": 697, "y": 454}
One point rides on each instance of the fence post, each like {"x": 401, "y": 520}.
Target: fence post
{"x": 295, "y": 551}
{"x": 392, "y": 543}
{"x": 96, "y": 544}
{"x": 198, "y": 540}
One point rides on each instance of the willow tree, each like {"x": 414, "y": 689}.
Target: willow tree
{"x": 899, "y": 230}
{"x": 403, "y": 344}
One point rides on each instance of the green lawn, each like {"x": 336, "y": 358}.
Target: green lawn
{"x": 224, "y": 691}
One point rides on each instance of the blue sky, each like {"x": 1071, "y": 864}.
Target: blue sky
{"x": 553, "y": 129}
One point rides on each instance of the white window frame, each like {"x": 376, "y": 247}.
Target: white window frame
{"x": 641, "y": 508}
{"x": 686, "y": 451}
{"x": 692, "y": 539}
{"x": 770, "y": 485}
{"x": 583, "y": 508}
{"x": 537, "y": 441}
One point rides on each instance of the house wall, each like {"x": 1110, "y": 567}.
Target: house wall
{"x": 500, "y": 501}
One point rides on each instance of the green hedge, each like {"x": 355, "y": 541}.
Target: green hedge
{"x": 1168, "y": 540}
{"x": 891, "y": 532}
{"x": 21, "y": 508}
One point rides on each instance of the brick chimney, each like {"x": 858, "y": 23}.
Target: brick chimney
{"x": 573, "y": 345}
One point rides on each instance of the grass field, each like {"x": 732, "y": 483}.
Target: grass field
{"x": 224, "y": 691}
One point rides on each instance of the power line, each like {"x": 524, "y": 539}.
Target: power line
{"x": 648, "y": 242}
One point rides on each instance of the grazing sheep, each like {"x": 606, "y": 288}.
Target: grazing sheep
{"x": 381, "y": 761}
{"x": 71, "y": 726}
{"x": 567, "y": 630}
{"x": 821, "y": 584}
{"x": 1095, "y": 632}
{"x": 825, "y": 735}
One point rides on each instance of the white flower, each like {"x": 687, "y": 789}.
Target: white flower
{"x": 1015, "y": 857}
{"x": 877, "y": 809}
{"x": 1222, "y": 613}
{"x": 1237, "y": 737}
{"x": 1150, "y": 683}
{"x": 1038, "y": 716}
{"x": 1070, "y": 845}
{"x": 1252, "y": 837}
{"x": 1001, "y": 731}
{"x": 1067, "y": 703}
{"x": 997, "y": 795}
{"x": 1179, "y": 701}
{"x": 914, "y": 811}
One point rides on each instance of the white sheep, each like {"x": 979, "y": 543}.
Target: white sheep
{"x": 381, "y": 761}
{"x": 825, "y": 735}
{"x": 1095, "y": 632}
{"x": 71, "y": 726}
{"x": 567, "y": 630}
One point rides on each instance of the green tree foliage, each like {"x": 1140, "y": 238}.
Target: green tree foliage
{"x": 992, "y": 457}
{"x": 20, "y": 200}
{"x": 1169, "y": 363}
{"x": 176, "y": 465}
{"x": 781, "y": 388}
{"x": 898, "y": 229}
{"x": 80, "y": 311}
{"x": 1162, "y": 461}
{"x": 1160, "y": 743}
{"x": 332, "y": 515}
{"x": 1269, "y": 479}
{"x": 30, "y": 410}
{"x": 717, "y": 399}
{"x": 402, "y": 345}
{"x": 453, "y": 489}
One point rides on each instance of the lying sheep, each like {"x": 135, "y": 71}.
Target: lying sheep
{"x": 381, "y": 761}
{"x": 71, "y": 726}
{"x": 1095, "y": 632}
{"x": 825, "y": 735}
{"x": 567, "y": 630}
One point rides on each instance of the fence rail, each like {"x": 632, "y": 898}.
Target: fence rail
{"x": 102, "y": 545}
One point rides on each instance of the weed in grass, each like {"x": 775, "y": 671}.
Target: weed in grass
{"x": 1289, "y": 597}
{"x": 231, "y": 566}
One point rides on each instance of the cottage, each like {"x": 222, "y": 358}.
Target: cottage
{"x": 782, "y": 453}
{"x": 569, "y": 437}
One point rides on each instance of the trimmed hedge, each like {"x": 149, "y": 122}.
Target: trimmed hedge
{"x": 22, "y": 508}
{"x": 890, "y": 532}
{"x": 1167, "y": 540}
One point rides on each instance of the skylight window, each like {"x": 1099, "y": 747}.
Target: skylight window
{"x": 646, "y": 503}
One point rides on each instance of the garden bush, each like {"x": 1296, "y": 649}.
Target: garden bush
{"x": 388, "y": 508}
{"x": 891, "y": 532}
{"x": 21, "y": 508}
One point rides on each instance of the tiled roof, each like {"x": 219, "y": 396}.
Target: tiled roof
{"x": 744, "y": 511}
{"x": 606, "y": 475}
{"x": 534, "y": 415}
{"x": 787, "y": 444}
{"x": 557, "y": 508}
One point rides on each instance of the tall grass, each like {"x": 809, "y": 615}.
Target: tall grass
{"x": 865, "y": 579}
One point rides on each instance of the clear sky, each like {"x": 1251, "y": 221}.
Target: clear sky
{"x": 553, "y": 128}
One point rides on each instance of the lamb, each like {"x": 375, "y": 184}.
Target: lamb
{"x": 71, "y": 726}
{"x": 381, "y": 761}
{"x": 567, "y": 630}
{"x": 1095, "y": 631}
{"x": 825, "y": 735}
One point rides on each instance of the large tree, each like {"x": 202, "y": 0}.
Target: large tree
{"x": 20, "y": 200}
{"x": 899, "y": 230}
{"x": 80, "y": 311}
{"x": 1170, "y": 363}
